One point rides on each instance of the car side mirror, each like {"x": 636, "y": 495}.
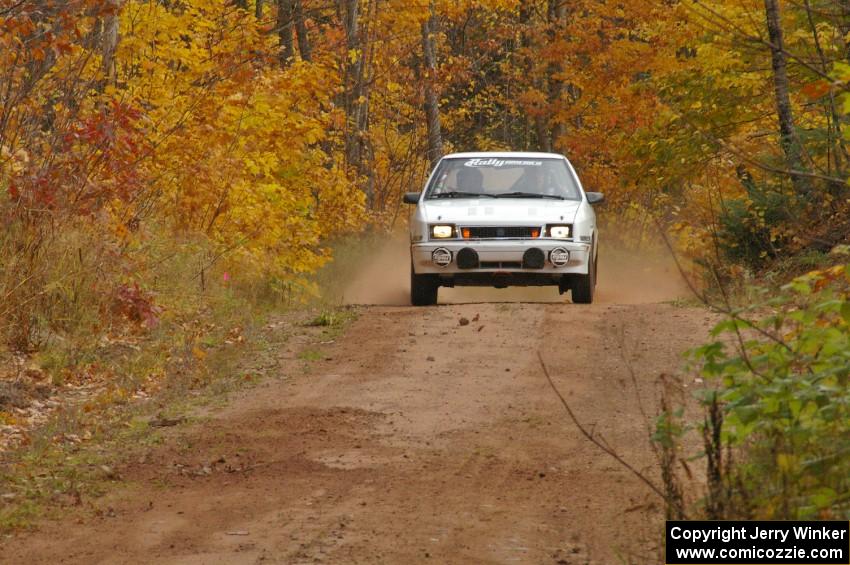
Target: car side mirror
{"x": 411, "y": 197}
{"x": 595, "y": 198}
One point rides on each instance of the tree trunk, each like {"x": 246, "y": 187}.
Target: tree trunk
{"x": 834, "y": 131}
{"x": 110, "y": 41}
{"x": 543, "y": 139}
{"x": 788, "y": 137}
{"x": 284, "y": 31}
{"x": 537, "y": 121}
{"x": 356, "y": 95}
{"x": 557, "y": 18}
{"x": 432, "y": 106}
{"x": 352, "y": 83}
{"x": 844, "y": 25}
{"x": 258, "y": 9}
{"x": 301, "y": 32}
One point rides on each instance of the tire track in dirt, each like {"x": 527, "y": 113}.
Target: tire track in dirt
{"x": 414, "y": 439}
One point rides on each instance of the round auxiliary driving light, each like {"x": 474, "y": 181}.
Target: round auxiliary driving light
{"x": 441, "y": 257}
{"x": 559, "y": 257}
{"x": 467, "y": 258}
{"x": 533, "y": 258}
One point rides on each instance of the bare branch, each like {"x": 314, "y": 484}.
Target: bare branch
{"x": 592, "y": 438}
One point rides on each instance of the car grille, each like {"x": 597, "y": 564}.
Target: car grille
{"x": 509, "y": 232}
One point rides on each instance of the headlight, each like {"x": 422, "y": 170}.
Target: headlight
{"x": 559, "y": 232}
{"x": 442, "y": 231}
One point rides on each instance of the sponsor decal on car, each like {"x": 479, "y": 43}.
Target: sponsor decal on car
{"x": 492, "y": 162}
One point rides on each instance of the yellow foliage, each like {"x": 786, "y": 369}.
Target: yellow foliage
{"x": 238, "y": 141}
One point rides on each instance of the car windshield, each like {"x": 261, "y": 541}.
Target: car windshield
{"x": 503, "y": 177}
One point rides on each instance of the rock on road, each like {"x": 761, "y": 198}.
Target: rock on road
{"x": 414, "y": 440}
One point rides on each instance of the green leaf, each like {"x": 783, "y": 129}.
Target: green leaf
{"x": 845, "y": 312}
{"x": 823, "y": 498}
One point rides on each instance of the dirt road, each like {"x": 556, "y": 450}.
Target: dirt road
{"x": 414, "y": 439}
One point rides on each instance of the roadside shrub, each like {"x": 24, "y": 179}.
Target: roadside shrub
{"x": 136, "y": 305}
{"x": 51, "y": 286}
{"x": 777, "y": 427}
{"x": 751, "y": 229}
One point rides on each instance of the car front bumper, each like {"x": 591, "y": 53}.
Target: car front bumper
{"x": 500, "y": 256}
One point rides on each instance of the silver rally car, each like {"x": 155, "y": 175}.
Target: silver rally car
{"x": 503, "y": 219}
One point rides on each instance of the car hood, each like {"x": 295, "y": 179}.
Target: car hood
{"x": 487, "y": 211}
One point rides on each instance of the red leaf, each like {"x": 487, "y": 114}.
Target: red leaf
{"x": 816, "y": 90}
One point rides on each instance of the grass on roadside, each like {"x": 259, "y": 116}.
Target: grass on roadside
{"x": 69, "y": 461}
{"x": 209, "y": 340}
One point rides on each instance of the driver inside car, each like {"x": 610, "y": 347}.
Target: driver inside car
{"x": 536, "y": 181}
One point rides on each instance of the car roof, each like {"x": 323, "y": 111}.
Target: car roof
{"x": 508, "y": 154}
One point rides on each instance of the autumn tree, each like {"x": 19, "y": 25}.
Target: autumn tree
{"x": 261, "y": 130}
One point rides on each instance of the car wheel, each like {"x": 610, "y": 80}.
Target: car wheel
{"x": 423, "y": 289}
{"x": 584, "y": 286}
